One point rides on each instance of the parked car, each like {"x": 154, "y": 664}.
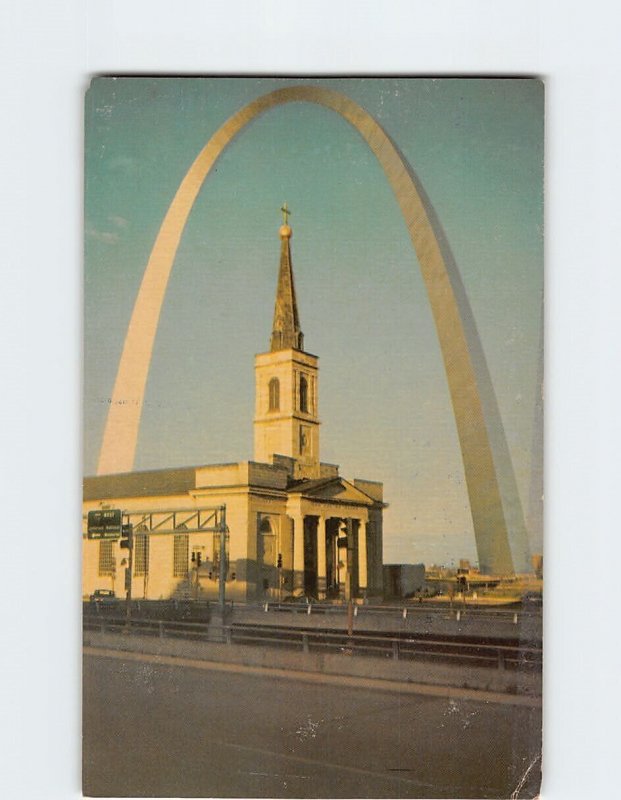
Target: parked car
{"x": 532, "y": 598}
{"x": 103, "y": 596}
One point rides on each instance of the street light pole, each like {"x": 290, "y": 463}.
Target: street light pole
{"x": 223, "y": 565}
{"x": 128, "y": 531}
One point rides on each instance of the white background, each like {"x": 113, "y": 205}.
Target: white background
{"x": 49, "y": 50}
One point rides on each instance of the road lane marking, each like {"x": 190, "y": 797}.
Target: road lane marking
{"x": 394, "y": 687}
{"x": 313, "y": 762}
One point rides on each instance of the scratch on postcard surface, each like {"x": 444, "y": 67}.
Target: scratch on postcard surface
{"x": 277, "y": 775}
{"x": 308, "y": 730}
{"x": 516, "y": 792}
{"x": 455, "y": 708}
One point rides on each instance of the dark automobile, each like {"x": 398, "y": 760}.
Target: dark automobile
{"x": 103, "y": 596}
{"x": 532, "y": 598}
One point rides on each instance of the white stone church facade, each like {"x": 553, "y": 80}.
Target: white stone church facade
{"x": 296, "y": 527}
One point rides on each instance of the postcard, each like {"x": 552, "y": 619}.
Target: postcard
{"x": 313, "y": 437}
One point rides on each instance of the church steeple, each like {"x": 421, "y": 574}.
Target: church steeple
{"x": 286, "y": 332}
{"x": 286, "y": 421}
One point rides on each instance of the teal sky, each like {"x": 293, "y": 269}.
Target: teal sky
{"x": 476, "y": 145}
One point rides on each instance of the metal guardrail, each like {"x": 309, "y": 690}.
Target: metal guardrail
{"x": 411, "y": 647}
{"x": 150, "y": 627}
{"x": 500, "y": 656}
{"x": 457, "y": 610}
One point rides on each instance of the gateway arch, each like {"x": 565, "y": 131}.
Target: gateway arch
{"x": 494, "y": 501}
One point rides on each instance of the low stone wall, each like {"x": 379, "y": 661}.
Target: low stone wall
{"x": 343, "y": 664}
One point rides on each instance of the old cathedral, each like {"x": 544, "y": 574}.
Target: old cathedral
{"x": 296, "y": 528}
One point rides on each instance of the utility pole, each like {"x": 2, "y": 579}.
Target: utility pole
{"x": 127, "y": 543}
{"x": 223, "y": 564}
{"x": 279, "y": 567}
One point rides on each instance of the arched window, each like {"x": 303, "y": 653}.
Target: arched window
{"x": 266, "y": 546}
{"x": 303, "y": 394}
{"x": 274, "y": 390}
{"x": 265, "y": 526}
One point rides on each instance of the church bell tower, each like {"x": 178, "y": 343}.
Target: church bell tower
{"x": 286, "y": 414}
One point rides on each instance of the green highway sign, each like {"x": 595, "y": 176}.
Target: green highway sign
{"x": 104, "y": 524}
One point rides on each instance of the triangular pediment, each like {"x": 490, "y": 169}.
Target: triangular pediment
{"x": 332, "y": 490}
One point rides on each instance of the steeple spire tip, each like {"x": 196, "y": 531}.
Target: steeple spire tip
{"x": 285, "y": 228}
{"x": 286, "y": 332}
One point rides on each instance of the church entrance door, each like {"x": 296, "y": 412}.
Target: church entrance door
{"x": 267, "y": 584}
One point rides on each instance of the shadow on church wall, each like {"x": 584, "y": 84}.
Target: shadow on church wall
{"x": 248, "y": 580}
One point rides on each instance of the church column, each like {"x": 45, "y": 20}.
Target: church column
{"x": 321, "y": 557}
{"x": 286, "y": 549}
{"x": 362, "y": 557}
{"x": 348, "y": 552}
{"x": 298, "y": 552}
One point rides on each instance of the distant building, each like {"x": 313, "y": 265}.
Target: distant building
{"x": 296, "y": 527}
{"x": 403, "y": 580}
{"x": 537, "y": 564}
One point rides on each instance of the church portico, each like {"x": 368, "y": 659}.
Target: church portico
{"x": 329, "y": 545}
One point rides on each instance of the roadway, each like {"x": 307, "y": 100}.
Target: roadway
{"x": 175, "y": 731}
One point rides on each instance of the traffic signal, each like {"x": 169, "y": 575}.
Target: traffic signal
{"x": 199, "y": 558}
{"x": 343, "y": 539}
{"x": 128, "y": 532}
{"x": 279, "y": 563}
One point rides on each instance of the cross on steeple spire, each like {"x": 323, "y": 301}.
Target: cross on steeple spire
{"x": 286, "y": 332}
{"x": 285, "y": 214}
